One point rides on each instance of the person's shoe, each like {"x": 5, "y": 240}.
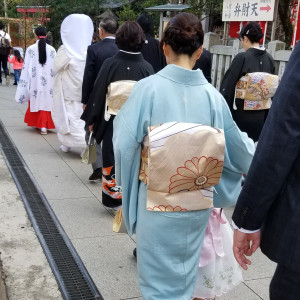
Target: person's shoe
{"x": 43, "y": 131}
{"x": 15, "y": 83}
{"x": 97, "y": 175}
{"x": 7, "y": 80}
{"x": 134, "y": 252}
{"x": 64, "y": 148}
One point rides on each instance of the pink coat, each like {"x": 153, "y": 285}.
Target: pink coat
{"x": 16, "y": 65}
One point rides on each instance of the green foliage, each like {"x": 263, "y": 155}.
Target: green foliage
{"x": 210, "y": 8}
{"x": 62, "y": 8}
{"x": 127, "y": 14}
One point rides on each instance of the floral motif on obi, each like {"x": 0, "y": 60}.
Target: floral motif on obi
{"x": 197, "y": 173}
{"x": 166, "y": 208}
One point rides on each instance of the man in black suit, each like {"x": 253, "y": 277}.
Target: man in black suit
{"x": 96, "y": 54}
{"x": 267, "y": 213}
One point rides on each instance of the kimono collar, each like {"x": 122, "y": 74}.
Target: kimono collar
{"x": 182, "y": 75}
{"x": 76, "y": 34}
{"x": 130, "y": 56}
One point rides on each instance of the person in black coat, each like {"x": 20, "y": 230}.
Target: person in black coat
{"x": 127, "y": 64}
{"x": 204, "y": 64}
{"x": 97, "y": 53}
{"x": 269, "y": 202}
{"x": 254, "y": 59}
{"x": 151, "y": 49}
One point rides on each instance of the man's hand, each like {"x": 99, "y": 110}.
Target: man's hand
{"x": 83, "y": 106}
{"x": 242, "y": 246}
{"x": 91, "y": 127}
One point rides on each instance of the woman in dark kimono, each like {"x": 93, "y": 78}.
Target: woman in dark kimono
{"x": 127, "y": 64}
{"x": 254, "y": 59}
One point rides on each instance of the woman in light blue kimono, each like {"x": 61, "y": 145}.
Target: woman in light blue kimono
{"x": 169, "y": 243}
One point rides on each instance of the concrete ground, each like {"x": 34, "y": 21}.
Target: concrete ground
{"x": 77, "y": 204}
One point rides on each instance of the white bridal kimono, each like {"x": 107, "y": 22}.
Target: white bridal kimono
{"x": 169, "y": 243}
{"x": 68, "y": 69}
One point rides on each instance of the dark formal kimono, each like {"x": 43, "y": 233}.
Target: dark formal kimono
{"x": 253, "y": 60}
{"x": 153, "y": 54}
{"x": 122, "y": 66}
{"x": 204, "y": 64}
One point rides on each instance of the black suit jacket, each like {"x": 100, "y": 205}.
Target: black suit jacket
{"x": 204, "y": 64}
{"x": 270, "y": 198}
{"x": 96, "y": 54}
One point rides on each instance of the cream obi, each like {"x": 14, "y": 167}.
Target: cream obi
{"x": 117, "y": 94}
{"x": 180, "y": 163}
{"x": 256, "y": 89}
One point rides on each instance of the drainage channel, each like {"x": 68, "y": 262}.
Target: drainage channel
{"x": 73, "y": 279}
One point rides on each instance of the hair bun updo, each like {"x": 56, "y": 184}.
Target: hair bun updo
{"x": 252, "y": 31}
{"x": 184, "y": 34}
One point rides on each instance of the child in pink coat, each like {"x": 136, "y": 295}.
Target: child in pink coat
{"x": 17, "y": 62}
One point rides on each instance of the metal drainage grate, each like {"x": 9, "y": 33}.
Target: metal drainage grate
{"x": 73, "y": 279}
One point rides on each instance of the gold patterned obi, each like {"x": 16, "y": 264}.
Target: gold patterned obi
{"x": 256, "y": 89}
{"x": 180, "y": 163}
{"x": 117, "y": 94}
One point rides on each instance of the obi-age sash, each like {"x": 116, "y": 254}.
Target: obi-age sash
{"x": 256, "y": 89}
{"x": 181, "y": 162}
{"x": 117, "y": 94}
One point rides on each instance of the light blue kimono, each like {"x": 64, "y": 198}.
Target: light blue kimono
{"x": 169, "y": 243}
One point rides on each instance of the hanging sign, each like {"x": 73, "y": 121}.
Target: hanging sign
{"x": 251, "y": 10}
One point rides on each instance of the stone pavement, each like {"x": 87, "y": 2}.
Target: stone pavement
{"x": 77, "y": 204}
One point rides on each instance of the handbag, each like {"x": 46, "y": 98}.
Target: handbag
{"x": 181, "y": 163}
{"x": 90, "y": 154}
{"x": 118, "y": 224}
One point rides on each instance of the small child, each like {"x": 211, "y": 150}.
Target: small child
{"x": 218, "y": 270}
{"x": 17, "y": 62}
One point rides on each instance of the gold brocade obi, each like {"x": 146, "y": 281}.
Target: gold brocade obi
{"x": 180, "y": 163}
{"x": 256, "y": 89}
{"x": 117, "y": 94}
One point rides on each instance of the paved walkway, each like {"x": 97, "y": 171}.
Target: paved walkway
{"x": 77, "y": 204}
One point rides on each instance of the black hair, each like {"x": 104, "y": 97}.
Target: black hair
{"x": 41, "y": 34}
{"x": 18, "y": 56}
{"x": 130, "y": 37}
{"x": 145, "y": 21}
{"x": 110, "y": 25}
{"x": 184, "y": 34}
{"x": 1, "y": 26}
{"x": 252, "y": 31}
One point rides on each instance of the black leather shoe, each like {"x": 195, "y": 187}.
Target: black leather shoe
{"x": 97, "y": 175}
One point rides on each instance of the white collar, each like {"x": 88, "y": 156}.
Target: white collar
{"x": 109, "y": 37}
{"x": 130, "y": 52}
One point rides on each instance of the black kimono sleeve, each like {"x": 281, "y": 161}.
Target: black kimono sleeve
{"x": 231, "y": 77}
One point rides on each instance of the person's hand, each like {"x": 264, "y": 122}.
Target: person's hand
{"x": 91, "y": 127}
{"x": 245, "y": 244}
{"x": 83, "y": 106}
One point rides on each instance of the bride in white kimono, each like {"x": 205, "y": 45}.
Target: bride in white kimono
{"x": 76, "y": 34}
{"x": 169, "y": 243}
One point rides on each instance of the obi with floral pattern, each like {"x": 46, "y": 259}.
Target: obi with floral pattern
{"x": 181, "y": 163}
{"x": 256, "y": 89}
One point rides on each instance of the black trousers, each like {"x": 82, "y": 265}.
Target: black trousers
{"x": 3, "y": 65}
{"x": 285, "y": 284}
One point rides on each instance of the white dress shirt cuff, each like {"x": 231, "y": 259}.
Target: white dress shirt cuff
{"x": 244, "y": 230}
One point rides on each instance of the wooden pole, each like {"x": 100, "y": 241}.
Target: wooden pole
{"x": 265, "y": 33}
{"x": 296, "y": 23}
{"x": 274, "y": 24}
